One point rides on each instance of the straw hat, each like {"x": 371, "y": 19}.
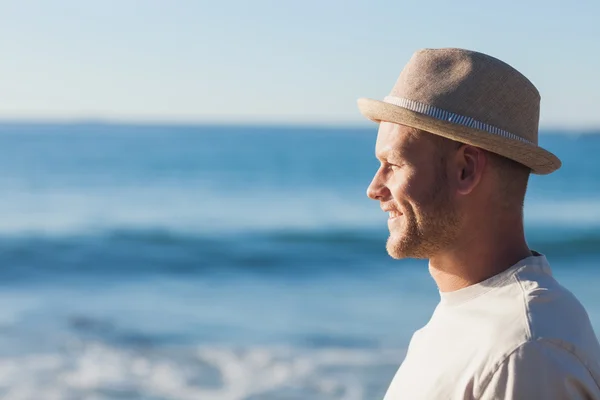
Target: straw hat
{"x": 469, "y": 97}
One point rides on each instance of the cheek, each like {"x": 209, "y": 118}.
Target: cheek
{"x": 411, "y": 189}
{"x": 402, "y": 186}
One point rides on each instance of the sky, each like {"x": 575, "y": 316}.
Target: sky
{"x": 306, "y": 62}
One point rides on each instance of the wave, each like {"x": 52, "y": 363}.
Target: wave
{"x": 178, "y": 208}
{"x": 299, "y": 252}
{"x": 98, "y": 370}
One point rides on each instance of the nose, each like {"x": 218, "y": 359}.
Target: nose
{"x": 377, "y": 189}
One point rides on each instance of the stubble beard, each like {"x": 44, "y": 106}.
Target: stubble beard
{"x": 425, "y": 230}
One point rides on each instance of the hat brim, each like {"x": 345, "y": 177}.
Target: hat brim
{"x": 539, "y": 160}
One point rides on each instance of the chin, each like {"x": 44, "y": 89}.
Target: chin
{"x": 400, "y": 247}
{"x": 394, "y": 247}
{"x": 396, "y": 255}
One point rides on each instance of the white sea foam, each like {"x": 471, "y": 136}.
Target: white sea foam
{"x": 97, "y": 371}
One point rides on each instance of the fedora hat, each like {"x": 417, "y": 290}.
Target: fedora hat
{"x": 471, "y": 98}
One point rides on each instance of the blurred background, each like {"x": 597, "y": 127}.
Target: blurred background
{"x": 182, "y": 190}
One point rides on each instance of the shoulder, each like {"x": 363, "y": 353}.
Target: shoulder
{"x": 542, "y": 368}
{"x": 552, "y": 311}
{"x": 541, "y": 333}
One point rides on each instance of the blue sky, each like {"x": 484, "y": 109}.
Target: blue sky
{"x": 276, "y": 61}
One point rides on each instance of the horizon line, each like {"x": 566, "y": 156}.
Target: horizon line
{"x": 75, "y": 121}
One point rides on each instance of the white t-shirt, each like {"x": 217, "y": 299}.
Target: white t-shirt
{"x": 518, "y": 335}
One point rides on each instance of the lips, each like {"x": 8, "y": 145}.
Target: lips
{"x": 393, "y": 213}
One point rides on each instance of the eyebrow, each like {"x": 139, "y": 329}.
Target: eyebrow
{"x": 394, "y": 154}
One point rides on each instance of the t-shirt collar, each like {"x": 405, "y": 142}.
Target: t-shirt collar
{"x": 535, "y": 262}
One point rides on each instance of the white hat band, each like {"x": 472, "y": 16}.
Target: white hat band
{"x": 444, "y": 115}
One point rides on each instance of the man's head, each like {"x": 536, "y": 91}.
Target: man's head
{"x": 469, "y": 97}
{"x": 435, "y": 188}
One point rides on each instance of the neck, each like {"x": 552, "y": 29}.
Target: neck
{"x": 480, "y": 255}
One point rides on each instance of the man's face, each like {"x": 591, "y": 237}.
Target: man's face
{"x": 411, "y": 185}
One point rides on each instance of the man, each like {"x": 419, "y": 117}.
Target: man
{"x": 457, "y": 140}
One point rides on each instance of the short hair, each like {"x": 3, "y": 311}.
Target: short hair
{"x": 512, "y": 177}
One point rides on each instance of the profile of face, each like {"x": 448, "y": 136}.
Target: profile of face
{"x": 412, "y": 186}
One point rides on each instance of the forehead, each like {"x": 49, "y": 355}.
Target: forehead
{"x": 399, "y": 140}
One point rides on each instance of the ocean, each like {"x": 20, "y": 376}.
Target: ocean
{"x": 229, "y": 262}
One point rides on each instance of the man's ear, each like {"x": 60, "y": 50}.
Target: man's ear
{"x": 470, "y": 161}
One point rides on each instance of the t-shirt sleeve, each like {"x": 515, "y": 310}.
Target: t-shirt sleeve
{"x": 540, "y": 370}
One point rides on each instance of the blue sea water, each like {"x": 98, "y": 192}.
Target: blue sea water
{"x": 228, "y": 263}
